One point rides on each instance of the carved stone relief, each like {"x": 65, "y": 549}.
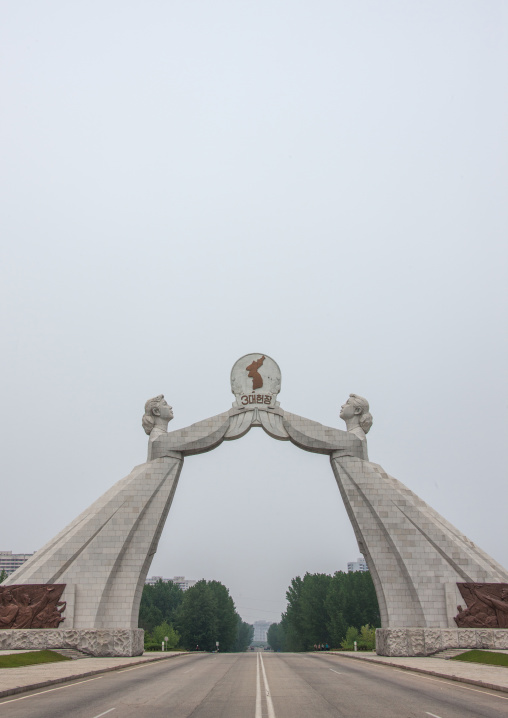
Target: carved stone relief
{"x": 32, "y": 606}
{"x": 486, "y": 605}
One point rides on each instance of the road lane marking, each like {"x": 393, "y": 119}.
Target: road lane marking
{"x": 269, "y": 703}
{"x": 50, "y": 690}
{"x": 450, "y": 683}
{"x": 338, "y": 672}
{"x": 114, "y": 709}
{"x": 190, "y": 669}
{"x": 258, "y": 690}
{"x": 426, "y": 713}
{"x": 126, "y": 670}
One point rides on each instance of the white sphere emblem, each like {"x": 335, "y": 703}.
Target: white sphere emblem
{"x": 255, "y": 382}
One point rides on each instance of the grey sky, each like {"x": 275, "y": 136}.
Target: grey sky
{"x": 186, "y": 182}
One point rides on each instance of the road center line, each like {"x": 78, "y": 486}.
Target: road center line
{"x": 426, "y": 713}
{"x": 269, "y": 702}
{"x": 258, "y": 690}
{"x": 338, "y": 672}
{"x": 50, "y": 690}
{"x": 114, "y": 709}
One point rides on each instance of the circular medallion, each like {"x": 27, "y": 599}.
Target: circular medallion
{"x": 255, "y": 382}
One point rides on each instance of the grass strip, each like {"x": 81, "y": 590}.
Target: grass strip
{"x": 31, "y": 658}
{"x": 487, "y": 657}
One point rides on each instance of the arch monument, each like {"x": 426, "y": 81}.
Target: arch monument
{"x": 83, "y": 588}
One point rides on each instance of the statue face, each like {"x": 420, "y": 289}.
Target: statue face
{"x": 164, "y": 410}
{"x": 348, "y": 410}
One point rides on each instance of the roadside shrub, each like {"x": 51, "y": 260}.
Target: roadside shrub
{"x": 365, "y": 639}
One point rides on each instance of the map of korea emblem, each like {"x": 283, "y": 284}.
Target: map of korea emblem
{"x": 257, "y": 379}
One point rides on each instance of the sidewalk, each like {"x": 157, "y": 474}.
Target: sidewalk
{"x": 493, "y": 677}
{"x": 17, "y": 680}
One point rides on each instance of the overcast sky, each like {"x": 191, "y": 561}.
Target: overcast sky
{"x": 183, "y": 183}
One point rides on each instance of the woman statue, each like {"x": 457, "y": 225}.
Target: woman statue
{"x": 355, "y": 412}
{"x": 106, "y": 552}
{"x": 157, "y": 415}
{"x": 414, "y": 555}
{"x": 156, "y": 418}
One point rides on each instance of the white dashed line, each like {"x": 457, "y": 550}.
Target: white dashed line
{"x": 144, "y": 665}
{"x": 114, "y": 709}
{"x": 50, "y": 690}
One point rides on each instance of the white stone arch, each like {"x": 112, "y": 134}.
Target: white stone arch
{"x": 414, "y": 555}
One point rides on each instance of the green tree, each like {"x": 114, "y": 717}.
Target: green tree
{"x": 3, "y": 575}
{"x": 292, "y": 619}
{"x": 160, "y": 632}
{"x": 197, "y": 618}
{"x": 227, "y": 621}
{"x": 207, "y": 614}
{"x": 159, "y": 603}
{"x": 367, "y": 640}
{"x": 244, "y": 635}
{"x": 351, "y": 601}
{"x": 305, "y": 621}
{"x": 321, "y": 608}
{"x": 276, "y": 637}
{"x": 315, "y": 618}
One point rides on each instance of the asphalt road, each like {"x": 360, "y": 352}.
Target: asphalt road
{"x": 258, "y": 685}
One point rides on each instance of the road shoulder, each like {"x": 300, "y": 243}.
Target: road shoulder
{"x": 27, "y": 678}
{"x": 477, "y": 674}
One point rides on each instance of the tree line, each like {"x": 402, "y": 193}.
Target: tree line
{"x": 197, "y": 618}
{"x": 321, "y": 608}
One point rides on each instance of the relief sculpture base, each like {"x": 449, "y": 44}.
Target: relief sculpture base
{"x": 427, "y": 641}
{"x": 95, "y": 642}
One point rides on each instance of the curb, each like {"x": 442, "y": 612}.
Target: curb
{"x": 444, "y": 676}
{"x": 68, "y": 679}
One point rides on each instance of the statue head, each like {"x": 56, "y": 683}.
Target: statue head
{"x": 355, "y": 412}
{"x": 157, "y": 413}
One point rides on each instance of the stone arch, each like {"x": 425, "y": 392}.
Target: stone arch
{"x": 415, "y": 556}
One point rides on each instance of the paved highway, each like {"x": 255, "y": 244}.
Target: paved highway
{"x": 258, "y": 685}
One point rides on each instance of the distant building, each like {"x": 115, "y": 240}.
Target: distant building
{"x": 9, "y": 561}
{"x": 261, "y": 629}
{"x": 359, "y": 565}
{"x": 181, "y": 581}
